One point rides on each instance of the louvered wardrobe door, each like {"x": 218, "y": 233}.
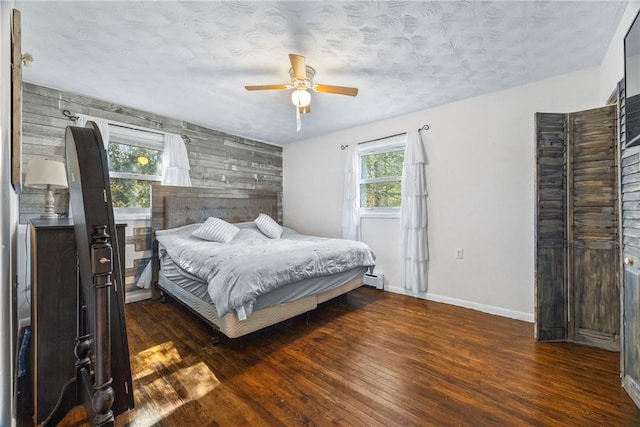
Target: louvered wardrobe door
{"x": 593, "y": 242}
{"x": 577, "y": 233}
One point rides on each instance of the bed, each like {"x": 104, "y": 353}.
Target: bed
{"x": 178, "y": 211}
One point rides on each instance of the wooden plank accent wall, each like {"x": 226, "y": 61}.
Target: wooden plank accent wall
{"x": 551, "y": 262}
{"x": 216, "y": 158}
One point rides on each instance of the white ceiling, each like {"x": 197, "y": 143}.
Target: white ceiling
{"x": 191, "y": 60}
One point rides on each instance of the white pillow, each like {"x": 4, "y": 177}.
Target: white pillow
{"x": 268, "y": 226}
{"x": 216, "y": 230}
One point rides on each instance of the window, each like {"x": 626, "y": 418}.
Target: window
{"x": 135, "y": 162}
{"x": 381, "y": 175}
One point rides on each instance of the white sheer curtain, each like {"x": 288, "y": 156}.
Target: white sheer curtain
{"x": 351, "y": 205}
{"x": 413, "y": 215}
{"x": 175, "y": 162}
{"x": 144, "y": 281}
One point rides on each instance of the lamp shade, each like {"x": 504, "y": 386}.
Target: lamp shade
{"x": 42, "y": 173}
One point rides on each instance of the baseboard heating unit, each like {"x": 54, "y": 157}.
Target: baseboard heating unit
{"x": 374, "y": 279}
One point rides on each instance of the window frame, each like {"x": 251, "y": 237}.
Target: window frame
{"x": 381, "y": 146}
{"x": 135, "y": 137}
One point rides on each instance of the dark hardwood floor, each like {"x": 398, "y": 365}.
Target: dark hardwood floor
{"x": 370, "y": 359}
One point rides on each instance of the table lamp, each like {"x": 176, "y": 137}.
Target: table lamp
{"x": 47, "y": 174}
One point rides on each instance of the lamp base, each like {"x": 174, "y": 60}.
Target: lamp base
{"x": 48, "y": 212}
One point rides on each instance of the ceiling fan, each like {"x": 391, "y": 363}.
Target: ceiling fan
{"x": 302, "y": 80}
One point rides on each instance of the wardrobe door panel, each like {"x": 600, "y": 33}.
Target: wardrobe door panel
{"x": 593, "y": 243}
{"x": 551, "y": 289}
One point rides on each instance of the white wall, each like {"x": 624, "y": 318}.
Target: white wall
{"x": 481, "y": 180}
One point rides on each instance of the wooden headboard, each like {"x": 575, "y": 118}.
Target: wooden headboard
{"x": 175, "y": 206}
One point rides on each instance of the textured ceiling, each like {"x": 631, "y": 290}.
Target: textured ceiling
{"x": 191, "y": 60}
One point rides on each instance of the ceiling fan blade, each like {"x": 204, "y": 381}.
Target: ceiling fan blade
{"x": 304, "y": 110}
{"x": 298, "y": 66}
{"x": 266, "y": 87}
{"x": 340, "y": 90}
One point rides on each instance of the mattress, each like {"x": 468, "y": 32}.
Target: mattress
{"x": 169, "y": 271}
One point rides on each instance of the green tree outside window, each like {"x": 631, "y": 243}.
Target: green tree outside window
{"x": 132, "y": 170}
{"x": 380, "y": 177}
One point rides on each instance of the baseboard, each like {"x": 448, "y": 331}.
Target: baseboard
{"x": 498, "y": 311}
{"x": 136, "y": 296}
{"x": 632, "y": 389}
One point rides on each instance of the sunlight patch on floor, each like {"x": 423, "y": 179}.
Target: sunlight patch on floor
{"x": 153, "y": 359}
{"x": 160, "y": 376}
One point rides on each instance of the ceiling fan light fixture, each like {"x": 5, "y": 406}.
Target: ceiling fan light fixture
{"x": 300, "y": 98}
{"x": 302, "y": 80}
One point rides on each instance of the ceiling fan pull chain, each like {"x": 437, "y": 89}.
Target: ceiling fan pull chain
{"x": 298, "y": 121}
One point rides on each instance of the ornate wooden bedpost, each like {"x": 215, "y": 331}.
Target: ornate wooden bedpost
{"x": 101, "y": 264}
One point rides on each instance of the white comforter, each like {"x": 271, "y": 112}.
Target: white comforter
{"x": 253, "y": 264}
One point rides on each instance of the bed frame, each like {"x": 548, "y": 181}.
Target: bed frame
{"x": 175, "y": 206}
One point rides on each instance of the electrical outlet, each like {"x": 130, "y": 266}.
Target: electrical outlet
{"x": 459, "y": 253}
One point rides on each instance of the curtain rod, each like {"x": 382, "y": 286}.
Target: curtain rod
{"x": 424, "y": 127}
{"x": 73, "y": 118}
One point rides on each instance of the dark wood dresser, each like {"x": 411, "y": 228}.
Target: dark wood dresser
{"x": 54, "y": 308}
